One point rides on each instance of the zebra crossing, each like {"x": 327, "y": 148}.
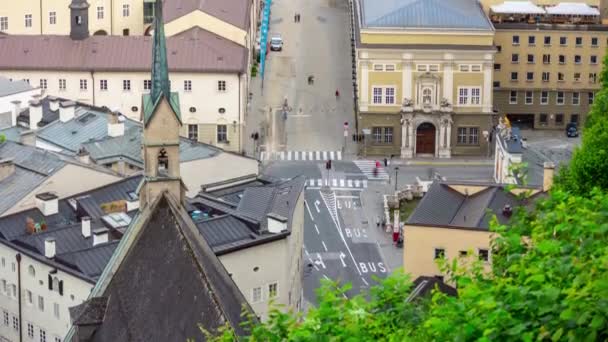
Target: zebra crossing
{"x": 301, "y": 155}
{"x": 367, "y": 168}
{"x": 340, "y": 183}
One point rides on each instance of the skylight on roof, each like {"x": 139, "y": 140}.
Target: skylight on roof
{"x": 117, "y": 220}
{"x": 86, "y": 118}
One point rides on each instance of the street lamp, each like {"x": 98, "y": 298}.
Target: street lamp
{"x": 396, "y": 170}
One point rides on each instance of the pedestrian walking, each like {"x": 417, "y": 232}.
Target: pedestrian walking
{"x": 385, "y": 162}
{"x": 298, "y": 17}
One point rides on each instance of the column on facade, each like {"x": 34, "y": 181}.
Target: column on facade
{"x": 448, "y": 78}
{"x": 404, "y": 132}
{"x": 406, "y": 76}
{"x": 449, "y": 137}
{"x": 488, "y": 71}
{"x": 364, "y": 86}
{"x": 442, "y": 135}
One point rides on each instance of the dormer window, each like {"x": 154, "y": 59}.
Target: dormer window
{"x": 163, "y": 162}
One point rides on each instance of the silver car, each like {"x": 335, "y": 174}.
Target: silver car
{"x": 276, "y": 43}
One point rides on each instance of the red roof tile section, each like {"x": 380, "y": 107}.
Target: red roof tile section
{"x": 195, "y": 50}
{"x": 235, "y": 12}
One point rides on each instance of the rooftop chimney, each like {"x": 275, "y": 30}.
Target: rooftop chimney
{"x": 100, "y": 235}
{"x": 49, "y": 247}
{"x": 276, "y": 223}
{"x": 548, "y": 173}
{"x": 86, "y": 226}
{"x": 507, "y": 211}
{"x": 66, "y": 110}
{"x": 35, "y": 114}
{"x": 15, "y": 113}
{"x": 84, "y": 156}
{"x": 47, "y": 203}
{"x": 53, "y": 103}
{"x": 116, "y": 126}
{"x": 7, "y": 168}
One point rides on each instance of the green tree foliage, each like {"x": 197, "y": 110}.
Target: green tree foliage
{"x": 548, "y": 282}
{"x": 2, "y": 138}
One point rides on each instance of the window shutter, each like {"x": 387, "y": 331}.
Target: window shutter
{"x": 50, "y": 282}
{"x": 61, "y": 287}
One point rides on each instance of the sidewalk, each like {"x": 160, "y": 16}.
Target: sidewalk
{"x": 454, "y": 161}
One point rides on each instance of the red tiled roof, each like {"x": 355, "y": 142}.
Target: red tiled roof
{"x": 195, "y": 50}
{"x": 235, "y": 12}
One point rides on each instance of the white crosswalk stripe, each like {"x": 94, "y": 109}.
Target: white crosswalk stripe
{"x": 367, "y": 168}
{"x": 340, "y": 183}
{"x": 301, "y": 155}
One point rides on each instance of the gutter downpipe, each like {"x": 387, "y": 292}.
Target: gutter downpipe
{"x": 41, "y": 21}
{"x": 111, "y": 17}
{"x": 240, "y": 112}
{"x": 18, "y": 257}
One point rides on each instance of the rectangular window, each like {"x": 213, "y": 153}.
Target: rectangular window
{"x": 14, "y": 290}
{"x": 377, "y": 95}
{"x": 388, "y": 135}
{"x": 28, "y": 297}
{"x": 432, "y": 67}
{"x": 464, "y": 68}
{"x": 574, "y": 118}
{"x": 498, "y": 48}
{"x": 560, "y": 98}
{"x": 560, "y": 76}
{"x": 475, "y": 68}
{"x": 193, "y": 132}
{"x": 378, "y": 67}
{"x": 592, "y": 77}
{"x": 529, "y": 76}
{"x": 52, "y": 18}
{"x": 475, "y": 96}
{"x": 496, "y": 84}
{"x": 103, "y": 84}
{"x": 559, "y": 119}
{"x": 515, "y": 58}
{"x": 28, "y": 20}
{"x": 221, "y": 85}
{"x": 256, "y": 295}
{"x": 484, "y": 255}
{"x": 594, "y": 41}
{"x": 530, "y": 59}
{"x": 377, "y": 134}
{"x": 100, "y": 13}
{"x": 41, "y": 303}
{"x": 126, "y": 10}
{"x": 529, "y": 97}
{"x": 543, "y": 119}
{"x": 62, "y": 84}
{"x": 591, "y": 97}
{"x": 577, "y": 59}
{"x": 83, "y": 85}
{"x": 514, "y": 76}
{"x": 531, "y": 40}
{"x": 273, "y": 290}
{"x": 147, "y": 84}
{"x": 439, "y": 253}
{"x": 4, "y": 287}
{"x": 544, "y": 97}
{"x": 57, "y": 339}
{"x": 563, "y": 41}
{"x": 16, "y": 323}
{"x": 513, "y": 97}
{"x": 593, "y": 59}
{"x": 43, "y": 83}
{"x": 187, "y": 85}
{"x": 390, "y": 67}
{"x": 42, "y": 335}
{"x": 56, "y": 310}
{"x": 222, "y": 133}
{"x": 462, "y": 135}
{"x": 577, "y": 77}
{"x": 562, "y": 59}
{"x": 496, "y": 66}
{"x": 3, "y": 23}
{"x": 546, "y": 76}
{"x": 126, "y": 85}
{"x": 546, "y": 59}
{"x": 576, "y": 98}
{"x": 547, "y": 40}
{"x": 515, "y": 40}
{"x": 421, "y": 67}
{"x": 30, "y": 330}
{"x": 579, "y": 41}
{"x": 389, "y": 95}
{"x": 6, "y": 317}
{"x": 463, "y": 96}
{"x": 473, "y": 136}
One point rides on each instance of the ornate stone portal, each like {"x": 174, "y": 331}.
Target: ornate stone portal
{"x": 411, "y": 121}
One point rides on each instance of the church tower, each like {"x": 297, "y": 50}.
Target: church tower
{"x": 162, "y": 123}
{"x": 79, "y": 19}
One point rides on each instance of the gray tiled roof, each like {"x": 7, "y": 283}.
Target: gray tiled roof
{"x": 90, "y": 261}
{"x": 8, "y": 87}
{"x": 18, "y": 185}
{"x": 225, "y": 230}
{"x": 443, "y": 206}
{"x": 12, "y": 133}
{"x": 437, "y": 14}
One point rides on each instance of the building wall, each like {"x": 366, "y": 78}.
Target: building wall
{"x": 584, "y": 85}
{"x": 208, "y": 102}
{"x": 75, "y": 291}
{"x": 112, "y": 24}
{"x": 6, "y": 105}
{"x": 420, "y": 244}
{"x": 62, "y": 183}
{"x": 426, "y": 37}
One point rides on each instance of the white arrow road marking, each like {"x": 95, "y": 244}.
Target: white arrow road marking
{"x": 317, "y": 206}
{"x": 309, "y": 212}
{"x": 319, "y": 261}
{"x": 342, "y": 256}
{"x": 324, "y": 246}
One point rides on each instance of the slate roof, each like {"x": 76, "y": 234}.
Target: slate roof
{"x": 234, "y": 12}
{"x": 424, "y": 14}
{"x": 196, "y": 50}
{"x": 445, "y": 207}
{"x": 424, "y": 286}
{"x": 188, "y": 284}
{"x": 13, "y": 133}
{"x": 8, "y": 87}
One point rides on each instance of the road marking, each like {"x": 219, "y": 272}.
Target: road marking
{"x": 324, "y": 247}
{"x": 319, "y": 182}
{"x": 351, "y": 197}
{"x": 334, "y": 182}
{"x": 357, "y": 182}
{"x": 342, "y": 183}
{"x": 296, "y": 156}
{"x": 310, "y": 155}
{"x": 331, "y": 155}
{"x": 318, "y": 155}
{"x": 289, "y": 155}
{"x": 324, "y": 155}
{"x": 317, "y": 206}
{"x": 365, "y": 183}
{"x": 366, "y": 283}
{"x": 342, "y": 256}
{"x": 317, "y": 229}
{"x": 350, "y": 183}
{"x": 326, "y": 277}
{"x": 339, "y": 155}
{"x": 282, "y": 155}
{"x": 263, "y": 155}
{"x": 319, "y": 261}
{"x": 309, "y": 212}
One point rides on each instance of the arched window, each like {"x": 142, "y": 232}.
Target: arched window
{"x": 427, "y": 96}
{"x": 31, "y": 271}
{"x": 56, "y": 284}
{"x": 163, "y": 162}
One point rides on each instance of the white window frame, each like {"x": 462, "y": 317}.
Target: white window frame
{"x": 378, "y": 67}
{"x": 576, "y": 100}
{"x": 126, "y": 85}
{"x": 468, "y": 98}
{"x": 548, "y": 76}
{"x": 544, "y": 100}
{"x": 41, "y": 303}
{"x": 44, "y": 83}
{"x": 62, "y": 84}
{"x": 217, "y": 133}
{"x": 276, "y": 283}
{"x": 529, "y": 99}
{"x": 597, "y": 41}
{"x": 84, "y": 84}
{"x": 28, "y": 20}
{"x": 389, "y": 99}
{"x": 56, "y": 310}
{"x": 42, "y": 335}
{"x": 375, "y": 95}
{"x": 557, "y": 98}
{"x": 3, "y": 23}
{"x": 390, "y": 67}
{"x": 511, "y": 101}
{"x": 30, "y": 330}
{"x": 463, "y": 96}
{"x": 52, "y": 18}
{"x": 103, "y": 85}
{"x": 253, "y": 295}
{"x": 590, "y": 97}
{"x": 591, "y": 60}
{"x": 194, "y": 132}
{"x": 126, "y": 10}
{"x": 100, "y": 13}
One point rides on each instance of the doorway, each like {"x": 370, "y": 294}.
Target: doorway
{"x": 425, "y": 139}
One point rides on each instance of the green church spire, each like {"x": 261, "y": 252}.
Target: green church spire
{"x": 160, "y": 70}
